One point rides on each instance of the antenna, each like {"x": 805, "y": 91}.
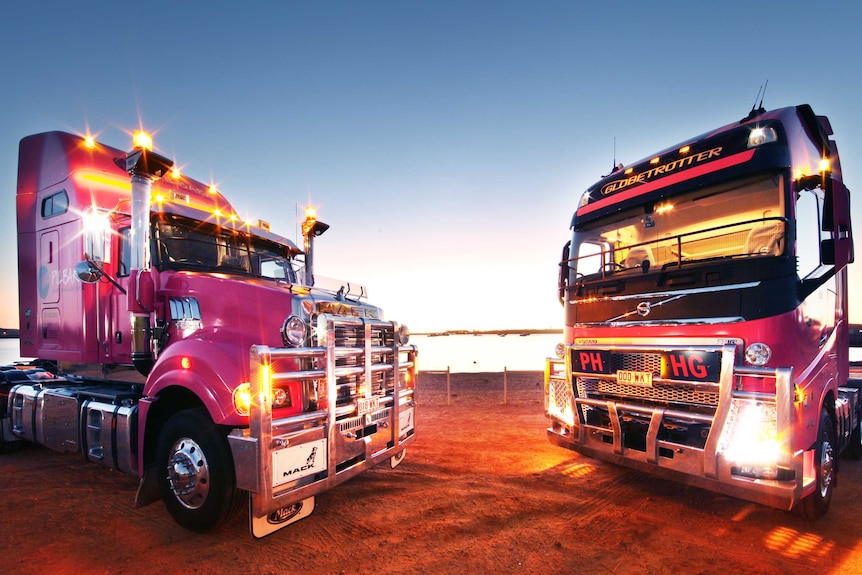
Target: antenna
{"x": 757, "y": 106}
{"x": 615, "y": 167}
{"x": 762, "y": 96}
{"x": 754, "y": 105}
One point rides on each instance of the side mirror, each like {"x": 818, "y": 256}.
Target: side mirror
{"x": 87, "y": 272}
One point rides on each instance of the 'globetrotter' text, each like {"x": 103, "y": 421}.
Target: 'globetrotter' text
{"x": 662, "y": 170}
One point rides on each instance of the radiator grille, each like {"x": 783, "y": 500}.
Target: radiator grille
{"x": 672, "y": 394}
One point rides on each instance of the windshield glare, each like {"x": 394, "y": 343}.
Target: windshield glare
{"x": 718, "y": 222}
{"x": 181, "y": 243}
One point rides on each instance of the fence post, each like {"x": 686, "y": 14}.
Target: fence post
{"x": 505, "y": 385}
{"x": 448, "y": 387}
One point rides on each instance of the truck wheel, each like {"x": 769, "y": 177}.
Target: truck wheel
{"x": 196, "y": 476}
{"x": 815, "y": 505}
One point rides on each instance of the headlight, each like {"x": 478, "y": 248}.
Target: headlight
{"x": 403, "y": 335}
{"x": 293, "y": 331}
{"x": 758, "y": 354}
{"x": 280, "y": 398}
{"x": 750, "y": 438}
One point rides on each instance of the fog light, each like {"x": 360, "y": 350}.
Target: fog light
{"x": 758, "y": 354}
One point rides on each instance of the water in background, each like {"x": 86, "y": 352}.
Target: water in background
{"x": 460, "y": 353}
{"x": 475, "y": 353}
{"x": 9, "y": 351}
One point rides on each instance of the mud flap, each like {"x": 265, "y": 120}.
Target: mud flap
{"x": 263, "y": 526}
{"x": 397, "y": 458}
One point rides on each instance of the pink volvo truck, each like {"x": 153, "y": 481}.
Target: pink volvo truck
{"x": 706, "y": 329}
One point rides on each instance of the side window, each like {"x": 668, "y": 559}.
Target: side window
{"x": 125, "y": 259}
{"x": 55, "y": 204}
{"x": 808, "y": 209}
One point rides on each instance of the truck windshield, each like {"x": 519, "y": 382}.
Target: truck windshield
{"x": 741, "y": 219}
{"x": 185, "y": 244}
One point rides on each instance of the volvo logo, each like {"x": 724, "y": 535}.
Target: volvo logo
{"x": 643, "y": 308}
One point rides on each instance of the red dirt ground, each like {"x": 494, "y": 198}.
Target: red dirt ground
{"x": 481, "y": 491}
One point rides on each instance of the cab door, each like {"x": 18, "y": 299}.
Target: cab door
{"x": 119, "y": 324}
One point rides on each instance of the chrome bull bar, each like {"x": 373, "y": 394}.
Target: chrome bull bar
{"x": 334, "y": 442}
{"x": 704, "y": 466}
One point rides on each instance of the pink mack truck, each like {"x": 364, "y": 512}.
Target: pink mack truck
{"x": 177, "y": 342}
{"x": 706, "y": 329}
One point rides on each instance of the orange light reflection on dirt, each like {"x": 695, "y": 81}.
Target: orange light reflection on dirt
{"x": 577, "y": 469}
{"x": 797, "y": 545}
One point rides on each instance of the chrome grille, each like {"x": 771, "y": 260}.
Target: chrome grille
{"x": 675, "y": 394}
{"x": 560, "y": 396}
{"x": 650, "y": 362}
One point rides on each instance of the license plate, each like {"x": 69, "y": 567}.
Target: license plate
{"x": 299, "y": 461}
{"x": 405, "y": 421}
{"x": 643, "y": 378}
{"x": 368, "y": 405}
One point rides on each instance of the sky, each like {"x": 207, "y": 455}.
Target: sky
{"x": 445, "y": 143}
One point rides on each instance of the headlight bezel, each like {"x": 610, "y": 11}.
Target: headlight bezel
{"x": 294, "y": 331}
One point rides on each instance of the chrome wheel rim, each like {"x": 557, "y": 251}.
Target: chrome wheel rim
{"x": 827, "y": 462}
{"x": 188, "y": 473}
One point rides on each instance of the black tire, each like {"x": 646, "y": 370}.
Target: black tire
{"x": 815, "y": 505}
{"x": 854, "y": 448}
{"x": 196, "y": 473}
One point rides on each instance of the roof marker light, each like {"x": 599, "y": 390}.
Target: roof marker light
{"x": 89, "y": 142}
{"x": 212, "y": 189}
{"x": 655, "y": 160}
{"x": 143, "y": 140}
{"x": 825, "y": 165}
{"x": 629, "y": 171}
{"x": 685, "y": 149}
{"x": 175, "y": 172}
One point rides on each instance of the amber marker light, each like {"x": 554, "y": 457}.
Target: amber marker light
{"x": 143, "y": 140}
{"x": 175, "y": 172}
{"x": 685, "y": 149}
{"x": 186, "y": 362}
{"x": 655, "y": 160}
{"x": 825, "y": 165}
{"x": 89, "y": 142}
{"x": 629, "y": 171}
{"x": 242, "y": 398}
